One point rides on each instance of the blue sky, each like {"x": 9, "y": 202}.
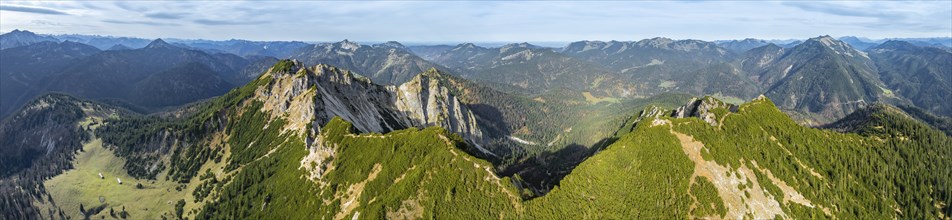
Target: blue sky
{"x": 496, "y": 21}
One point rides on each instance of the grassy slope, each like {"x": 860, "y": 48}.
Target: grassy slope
{"x": 82, "y": 185}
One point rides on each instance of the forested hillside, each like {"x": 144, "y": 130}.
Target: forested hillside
{"x": 706, "y": 159}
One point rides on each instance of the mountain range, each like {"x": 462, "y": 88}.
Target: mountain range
{"x": 224, "y": 160}
{"x": 388, "y": 63}
{"x": 107, "y": 127}
{"x": 137, "y": 78}
{"x": 528, "y": 68}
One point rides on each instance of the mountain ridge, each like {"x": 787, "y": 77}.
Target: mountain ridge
{"x": 320, "y": 158}
{"x": 655, "y": 128}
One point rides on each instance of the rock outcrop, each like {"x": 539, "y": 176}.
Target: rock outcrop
{"x": 427, "y": 102}
{"x": 311, "y": 96}
{"x": 704, "y": 109}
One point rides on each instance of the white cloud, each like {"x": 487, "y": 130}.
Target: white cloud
{"x": 481, "y": 21}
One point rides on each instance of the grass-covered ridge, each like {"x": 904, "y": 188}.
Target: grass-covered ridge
{"x": 664, "y": 167}
{"x": 904, "y": 174}
{"x": 417, "y": 173}
{"x": 806, "y": 172}
{"x": 402, "y": 174}
{"x": 231, "y": 158}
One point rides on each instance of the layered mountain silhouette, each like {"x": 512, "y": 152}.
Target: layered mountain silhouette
{"x": 17, "y": 38}
{"x": 740, "y": 46}
{"x": 921, "y": 74}
{"x": 385, "y": 63}
{"x": 528, "y": 68}
{"x": 136, "y": 77}
{"x": 655, "y": 128}
{"x": 27, "y": 69}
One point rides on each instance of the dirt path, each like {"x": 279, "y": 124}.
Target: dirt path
{"x": 739, "y": 190}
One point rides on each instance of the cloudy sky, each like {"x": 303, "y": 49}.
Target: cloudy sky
{"x": 533, "y": 21}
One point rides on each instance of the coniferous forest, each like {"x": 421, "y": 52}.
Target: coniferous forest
{"x": 475, "y": 110}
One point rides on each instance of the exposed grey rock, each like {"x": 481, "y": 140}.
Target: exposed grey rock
{"x": 703, "y": 109}
{"x": 650, "y": 112}
{"x": 315, "y": 95}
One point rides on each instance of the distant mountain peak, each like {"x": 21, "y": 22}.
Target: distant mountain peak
{"x": 18, "y": 38}
{"x": 743, "y": 45}
{"x": 466, "y": 46}
{"x": 119, "y": 47}
{"x": 523, "y": 44}
{"x": 21, "y": 33}
{"x": 348, "y": 45}
{"x": 754, "y": 41}
{"x": 772, "y": 45}
{"x": 838, "y": 47}
{"x": 159, "y": 44}
{"x": 391, "y": 44}
{"x": 894, "y": 44}
{"x": 825, "y": 39}
{"x": 508, "y": 47}
{"x": 657, "y": 41}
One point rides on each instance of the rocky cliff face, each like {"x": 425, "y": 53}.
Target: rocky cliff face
{"x": 310, "y": 96}
{"x": 427, "y": 102}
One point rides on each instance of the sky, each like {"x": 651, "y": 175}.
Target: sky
{"x": 483, "y": 21}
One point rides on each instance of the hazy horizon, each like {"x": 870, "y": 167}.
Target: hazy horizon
{"x": 479, "y": 43}
{"x": 448, "y": 22}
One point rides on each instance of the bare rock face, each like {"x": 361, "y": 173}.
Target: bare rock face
{"x": 651, "y": 112}
{"x": 703, "y": 109}
{"x": 427, "y": 102}
{"x": 309, "y": 97}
